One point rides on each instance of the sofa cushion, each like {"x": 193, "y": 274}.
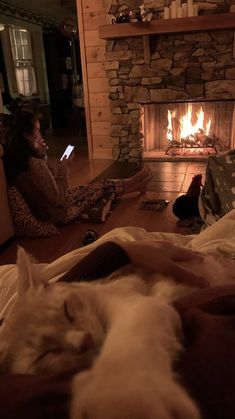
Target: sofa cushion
{"x": 26, "y": 225}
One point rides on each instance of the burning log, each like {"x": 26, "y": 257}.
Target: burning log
{"x": 195, "y": 141}
{"x": 183, "y": 134}
{"x": 212, "y": 141}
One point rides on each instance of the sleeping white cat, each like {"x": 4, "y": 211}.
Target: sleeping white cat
{"x": 126, "y": 328}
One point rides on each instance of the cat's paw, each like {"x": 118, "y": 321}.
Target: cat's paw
{"x": 172, "y": 402}
{"x": 130, "y": 397}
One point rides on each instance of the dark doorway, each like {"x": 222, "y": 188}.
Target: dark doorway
{"x": 6, "y": 97}
{"x": 63, "y": 72}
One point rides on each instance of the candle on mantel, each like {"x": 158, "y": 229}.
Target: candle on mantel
{"x": 190, "y": 8}
{"x": 179, "y": 12}
{"x": 184, "y": 9}
{"x": 173, "y": 9}
{"x": 195, "y": 9}
{"x": 166, "y": 13}
{"x": 178, "y": 9}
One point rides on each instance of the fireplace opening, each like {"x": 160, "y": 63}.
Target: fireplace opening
{"x": 189, "y": 128}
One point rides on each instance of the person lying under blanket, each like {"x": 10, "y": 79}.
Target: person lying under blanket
{"x": 216, "y": 198}
{"x": 126, "y": 331}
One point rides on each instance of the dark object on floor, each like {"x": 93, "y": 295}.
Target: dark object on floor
{"x": 194, "y": 224}
{"x": 186, "y": 206}
{"x": 90, "y": 237}
{"x": 99, "y": 210}
{"x": 154, "y": 204}
{"x": 100, "y": 262}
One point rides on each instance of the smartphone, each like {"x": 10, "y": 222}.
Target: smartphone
{"x": 68, "y": 151}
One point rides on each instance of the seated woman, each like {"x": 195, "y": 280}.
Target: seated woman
{"x": 216, "y": 198}
{"x": 47, "y": 191}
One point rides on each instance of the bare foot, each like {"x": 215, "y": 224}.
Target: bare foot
{"x": 138, "y": 182}
{"x": 144, "y": 183}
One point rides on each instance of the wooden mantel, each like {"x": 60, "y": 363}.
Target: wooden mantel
{"x": 212, "y": 22}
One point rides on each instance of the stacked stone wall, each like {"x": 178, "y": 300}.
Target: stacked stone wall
{"x": 189, "y": 67}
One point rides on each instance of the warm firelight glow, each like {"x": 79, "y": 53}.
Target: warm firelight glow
{"x": 169, "y": 126}
{"x": 186, "y": 128}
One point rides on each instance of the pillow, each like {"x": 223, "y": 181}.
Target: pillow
{"x": 26, "y": 225}
{"x": 99, "y": 210}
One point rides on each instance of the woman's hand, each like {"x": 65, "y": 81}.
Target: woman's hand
{"x": 161, "y": 257}
{"x": 41, "y": 147}
{"x": 67, "y": 161}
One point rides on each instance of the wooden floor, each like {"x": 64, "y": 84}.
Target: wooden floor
{"x": 170, "y": 180}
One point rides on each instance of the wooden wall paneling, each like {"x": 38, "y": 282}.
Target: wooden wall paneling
{"x": 94, "y": 19}
{"x": 85, "y": 77}
{"x": 103, "y": 142}
{"x": 92, "y": 16}
{"x": 96, "y": 69}
{"x": 102, "y": 146}
{"x": 95, "y": 54}
{"x": 100, "y": 114}
{"x": 102, "y": 153}
{"x": 91, "y": 5}
{"x": 99, "y": 99}
{"x": 100, "y": 128}
{"x": 98, "y": 85}
{"x": 93, "y": 39}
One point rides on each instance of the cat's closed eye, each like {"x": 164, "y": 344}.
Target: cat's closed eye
{"x": 51, "y": 351}
{"x": 67, "y": 313}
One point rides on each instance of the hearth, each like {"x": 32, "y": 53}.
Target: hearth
{"x": 189, "y": 128}
{"x": 166, "y": 65}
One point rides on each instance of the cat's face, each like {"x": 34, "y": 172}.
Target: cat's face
{"x": 51, "y": 328}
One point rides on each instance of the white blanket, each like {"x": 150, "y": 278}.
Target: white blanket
{"x": 218, "y": 238}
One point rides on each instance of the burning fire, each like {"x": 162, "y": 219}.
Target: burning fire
{"x": 182, "y": 128}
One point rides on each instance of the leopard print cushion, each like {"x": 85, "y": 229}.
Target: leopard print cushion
{"x": 26, "y": 225}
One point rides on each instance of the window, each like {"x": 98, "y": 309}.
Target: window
{"x": 23, "y": 61}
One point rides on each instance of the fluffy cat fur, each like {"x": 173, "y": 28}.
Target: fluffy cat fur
{"x": 124, "y": 329}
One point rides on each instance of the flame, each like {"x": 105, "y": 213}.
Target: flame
{"x": 187, "y": 129}
{"x": 169, "y": 127}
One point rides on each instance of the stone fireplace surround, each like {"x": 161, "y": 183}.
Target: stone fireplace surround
{"x": 182, "y": 67}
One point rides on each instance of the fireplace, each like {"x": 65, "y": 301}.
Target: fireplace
{"x": 174, "y": 72}
{"x": 189, "y": 128}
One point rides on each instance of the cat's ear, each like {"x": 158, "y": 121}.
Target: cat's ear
{"x": 28, "y": 275}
